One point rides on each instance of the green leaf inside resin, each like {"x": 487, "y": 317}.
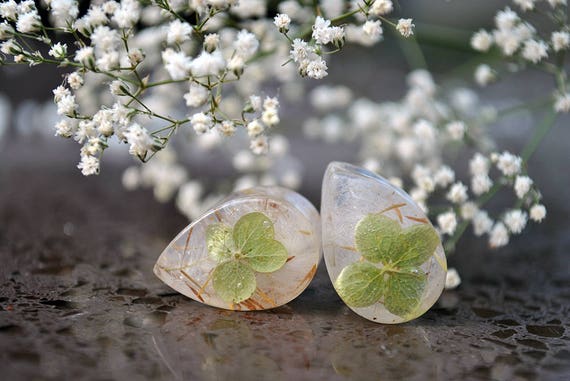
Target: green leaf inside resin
{"x": 219, "y": 242}
{"x": 399, "y": 283}
{"x": 250, "y": 244}
{"x": 360, "y": 284}
{"x": 234, "y": 281}
{"x": 404, "y": 291}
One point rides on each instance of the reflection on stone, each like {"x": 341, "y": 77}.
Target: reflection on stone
{"x": 206, "y": 344}
{"x": 384, "y": 353}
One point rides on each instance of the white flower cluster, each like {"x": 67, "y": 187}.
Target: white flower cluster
{"x": 519, "y": 39}
{"x": 309, "y": 55}
{"x": 141, "y": 73}
{"x": 122, "y": 72}
{"x": 412, "y": 136}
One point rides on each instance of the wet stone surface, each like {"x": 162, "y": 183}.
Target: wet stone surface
{"x": 78, "y": 300}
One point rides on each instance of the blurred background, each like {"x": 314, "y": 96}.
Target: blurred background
{"x": 77, "y": 251}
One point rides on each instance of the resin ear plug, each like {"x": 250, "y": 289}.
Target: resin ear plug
{"x": 382, "y": 254}
{"x": 257, "y": 249}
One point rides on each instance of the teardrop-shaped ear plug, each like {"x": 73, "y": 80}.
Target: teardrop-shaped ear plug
{"x": 382, "y": 254}
{"x": 257, "y": 249}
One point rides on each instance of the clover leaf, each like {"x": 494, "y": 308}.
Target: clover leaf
{"x": 241, "y": 251}
{"x": 399, "y": 283}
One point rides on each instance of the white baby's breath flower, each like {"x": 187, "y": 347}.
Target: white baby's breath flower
{"x": 58, "y": 50}
{"x": 89, "y": 165}
{"x": 481, "y": 184}
{"x": 178, "y": 32}
{"x": 447, "y": 222}
{"x": 418, "y": 195}
{"x": 254, "y": 128}
{"x": 534, "y": 50}
{"x": 255, "y": 103}
{"x": 373, "y": 29}
{"x": 560, "y": 40}
{"x": 499, "y": 235}
{"x": 139, "y": 139}
{"x": 322, "y": 31}
{"x": 75, "y": 80}
{"x": 396, "y": 181}
{"x": 522, "y": 185}
{"x": 259, "y": 145}
{"x": 484, "y": 75}
{"x": 59, "y": 92}
{"x": 28, "y": 22}
{"x": 479, "y": 165}
{"x": 457, "y": 193}
{"x": 525, "y": 5}
{"x": 177, "y": 64}
{"x": 317, "y": 69}
{"x": 211, "y": 42}
{"x": 227, "y": 128}
{"x": 127, "y": 14}
{"x": 64, "y": 11}
{"x": 515, "y": 220}
{"x": 270, "y": 117}
{"x": 506, "y": 19}
{"x": 452, "y": 279}
{"x": 6, "y": 31}
{"x": 131, "y": 178}
{"x": 537, "y": 212}
{"x": 444, "y": 176}
{"x": 282, "y": 21}
{"x": 66, "y": 105}
{"x": 562, "y": 103}
{"x": 196, "y": 96}
{"x": 246, "y": 44}
{"x": 509, "y": 164}
{"x": 85, "y": 56}
{"x": 482, "y": 41}
{"x": 236, "y": 65}
{"x": 469, "y": 210}
{"x": 456, "y": 129}
{"x": 207, "y": 64}
{"x": 9, "y": 10}
{"x": 64, "y": 129}
{"x": 425, "y": 130}
{"x": 482, "y": 223}
{"x": 381, "y": 7}
{"x": 105, "y": 39}
{"x": 201, "y": 122}
{"x": 405, "y": 27}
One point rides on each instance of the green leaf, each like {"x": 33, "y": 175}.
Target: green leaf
{"x": 377, "y": 238}
{"x": 266, "y": 255}
{"x": 381, "y": 239}
{"x": 219, "y": 242}
{"x": 360, "y": 284}
{"x": 234, "y": 281}
{"x": 420, "y": 244}
{"x": 251, "y": 228}
{"x": 404, "y": 291}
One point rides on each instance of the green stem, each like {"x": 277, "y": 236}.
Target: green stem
{"x": 539, "y": 134}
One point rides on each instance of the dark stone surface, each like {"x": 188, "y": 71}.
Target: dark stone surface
{"x": 78, "y": 300}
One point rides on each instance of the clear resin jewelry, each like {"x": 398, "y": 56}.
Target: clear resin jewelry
{"x": 382, "y": 254}
{"x": 257, "y": 249}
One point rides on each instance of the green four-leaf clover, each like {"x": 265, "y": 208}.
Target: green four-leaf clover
{"x": 240, "y": 252}
{"x": 400, "y": 282}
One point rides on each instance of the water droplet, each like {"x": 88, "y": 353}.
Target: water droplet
{"x": 239, "y": 285}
